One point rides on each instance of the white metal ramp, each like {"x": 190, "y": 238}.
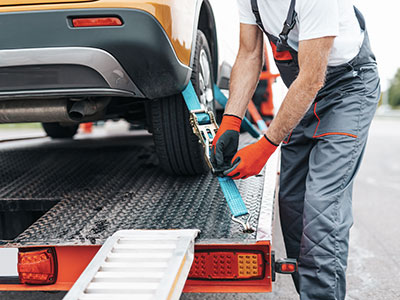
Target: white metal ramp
{"x": 139, "y": 265}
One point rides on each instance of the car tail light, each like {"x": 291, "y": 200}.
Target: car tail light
{"x": 37, "y": 266}
{"x": 96, "y": 22}
{"x": 227, "y": 265}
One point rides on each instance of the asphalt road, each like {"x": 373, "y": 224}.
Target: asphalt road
{"x": 374, "y": 263}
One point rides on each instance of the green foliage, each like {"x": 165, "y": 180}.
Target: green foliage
{"x": 20, "y": 126}
{"x": 394, "y": 90}
{"x": 380, "y": 100}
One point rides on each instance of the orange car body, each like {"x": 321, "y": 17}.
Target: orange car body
{"x": 179, "y": 20}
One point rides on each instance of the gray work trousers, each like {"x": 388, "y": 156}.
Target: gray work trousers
{"x": 319, "y": 162}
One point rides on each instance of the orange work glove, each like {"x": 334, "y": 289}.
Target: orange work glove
{"x": 225, "y": 143}
{"x": 250, "y": 160}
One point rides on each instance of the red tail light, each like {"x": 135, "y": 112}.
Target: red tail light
{"x": 286, "y": 266}
{"x": 227, "y": 265}
{"x": 96, "y": 22}
{"x": 38, "y": 266}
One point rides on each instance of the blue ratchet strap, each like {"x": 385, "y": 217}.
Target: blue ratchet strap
{"x": 261, "y": 125}
{"x": 233, "y": 197}
{"x": 228, "y": 186}
{"x": 246, "y": 124}
{"x": 193, "y": 104}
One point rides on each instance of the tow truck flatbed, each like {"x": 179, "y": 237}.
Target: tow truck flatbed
{"x": 93, "y": 187}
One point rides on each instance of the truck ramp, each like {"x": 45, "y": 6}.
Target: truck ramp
{"x": 138, "y": 264}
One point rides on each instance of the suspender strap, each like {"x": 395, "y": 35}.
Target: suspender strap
{"x": 256, "y": 12}
{"x": 290, "y": 21}
{"x": 291, "y": 18}
{"x": 287, "y": 26}
{"x": 360, "y": 19}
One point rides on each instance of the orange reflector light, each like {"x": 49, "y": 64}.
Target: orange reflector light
{"x": 226, "y": 265}
{"x": 37, "y": 267}
{"x": 96, "y": 22}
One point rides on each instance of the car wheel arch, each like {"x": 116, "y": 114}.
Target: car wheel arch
{"x": 205, "y": 21}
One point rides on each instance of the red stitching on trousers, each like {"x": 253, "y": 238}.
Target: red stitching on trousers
{"x": 288, "y": 139}
{"x": 328, "y": 133}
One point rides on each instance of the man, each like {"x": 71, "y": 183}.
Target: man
{"x": 324, "y": 57}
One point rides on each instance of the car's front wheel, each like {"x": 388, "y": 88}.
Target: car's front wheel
{"x": 178, "y": 149}
{"x": 58, "y": 131}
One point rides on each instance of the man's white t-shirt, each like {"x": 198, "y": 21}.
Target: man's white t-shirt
{"x": 315, "y": 19}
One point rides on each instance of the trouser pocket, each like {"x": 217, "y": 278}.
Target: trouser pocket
{"x": 338, "y": 114}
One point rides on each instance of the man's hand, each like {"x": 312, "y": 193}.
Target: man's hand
{"x": 250, "y": 160}
{"x": 225, "y": 143}
{"x": 244, "y": 78}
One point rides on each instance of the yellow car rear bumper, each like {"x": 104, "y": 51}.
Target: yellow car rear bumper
{"x": 176, "y": 17}
{"x": 138, "y": 56}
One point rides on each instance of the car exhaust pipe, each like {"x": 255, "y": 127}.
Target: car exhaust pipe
{"x": 46, "y": 111}
{"x": 81, "y": 110}
{"x": 49, "y": 111}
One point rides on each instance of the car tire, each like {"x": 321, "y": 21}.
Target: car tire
{"x": 58, "y": 131}
{"x": 178, "y": 148}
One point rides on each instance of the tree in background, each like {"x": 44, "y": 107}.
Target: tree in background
{"x": 394, "y": 90}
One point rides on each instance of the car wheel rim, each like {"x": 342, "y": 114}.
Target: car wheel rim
{"x": 205, "y": 82}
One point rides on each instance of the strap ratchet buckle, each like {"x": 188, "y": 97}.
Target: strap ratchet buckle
{"x": 205, "y": 128}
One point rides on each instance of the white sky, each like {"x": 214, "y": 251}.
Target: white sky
{"x": 382, "y": 23}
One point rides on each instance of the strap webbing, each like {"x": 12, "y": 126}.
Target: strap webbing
{"x": 261, "y": 124}
{"x": 193, "y": 104}
{"x": 246, "y": 124}
{"x": 233, "y": 197}
{"x": 228, "y": 186}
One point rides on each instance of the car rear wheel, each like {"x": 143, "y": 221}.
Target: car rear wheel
{"x": 178, "y": 149}
{"x": 58, "y": 131}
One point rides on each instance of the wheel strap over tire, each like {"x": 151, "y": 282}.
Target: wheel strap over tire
{"x": 205, "y": 128}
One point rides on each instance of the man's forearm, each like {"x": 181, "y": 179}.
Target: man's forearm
{"x": 244, "y": 79}
{"x": 296, "y": 103}
{"x": 313, "y": 60}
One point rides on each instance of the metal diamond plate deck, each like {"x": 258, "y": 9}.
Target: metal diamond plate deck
{"x": 106, "y": 185}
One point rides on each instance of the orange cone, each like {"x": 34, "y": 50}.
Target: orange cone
{"x": 87, "y": 128}
{"x": 267, "y": 106}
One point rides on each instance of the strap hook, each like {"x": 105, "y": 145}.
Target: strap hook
{"x": 245, "y": 224}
